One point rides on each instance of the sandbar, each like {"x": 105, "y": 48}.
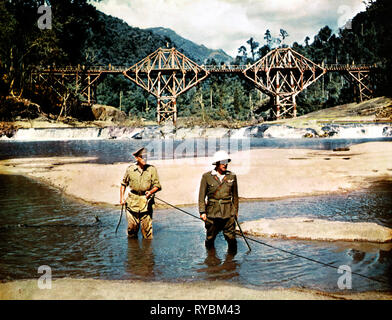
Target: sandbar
{"x": 263, "y": 174}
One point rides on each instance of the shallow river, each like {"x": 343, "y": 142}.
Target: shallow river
{"x": 109, "y": 151}
{"x": 73, "y": 244}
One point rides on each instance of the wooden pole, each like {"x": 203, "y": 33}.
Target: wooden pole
{"x": 121, "y": 93}
{"x": 211, "y": 97}
{"x": 89, "y": 90}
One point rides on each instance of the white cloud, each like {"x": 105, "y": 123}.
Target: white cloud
{"x": 228, "y": 24}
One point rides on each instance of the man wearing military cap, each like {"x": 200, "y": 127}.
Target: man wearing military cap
{"x": 219, "y": 187}
{"x": 143, "y": 181}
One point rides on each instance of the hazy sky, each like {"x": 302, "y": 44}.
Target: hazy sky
{"x": 228, "y": 24}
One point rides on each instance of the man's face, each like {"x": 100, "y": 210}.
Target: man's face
{"x": 222, "y": 165}
{"x": 142, "y": 159}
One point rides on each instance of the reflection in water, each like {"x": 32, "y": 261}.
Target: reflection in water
{"x": 216, "y": 269}
{"x": 140, "y": 258}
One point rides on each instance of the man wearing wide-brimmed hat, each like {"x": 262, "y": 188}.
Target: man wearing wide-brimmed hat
{"x": 143, "y": 181}
{"x": 219, "y": 188}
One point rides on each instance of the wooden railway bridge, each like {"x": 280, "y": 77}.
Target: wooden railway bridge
{"x": 166, "y": 73}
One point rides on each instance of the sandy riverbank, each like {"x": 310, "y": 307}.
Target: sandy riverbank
{"x": 319, "y": 229}
{"x": 262, "y": 173}
{"x": 89, "y": 289}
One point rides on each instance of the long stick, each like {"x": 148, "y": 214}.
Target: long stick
{"x": 122, "y": 207}
{"x": 201, "y": 219}
{"x": 178, "y": 208}
{"x": 239, "y": 227}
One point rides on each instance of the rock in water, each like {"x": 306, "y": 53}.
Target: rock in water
{"x": 8, "y": 130}
{"x": 387, "y": 132}
{"x": 107, "y": 113}
{"x": 317, "y": 229}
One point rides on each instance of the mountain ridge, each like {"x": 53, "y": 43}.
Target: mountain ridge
{"x": 197, "y": 52}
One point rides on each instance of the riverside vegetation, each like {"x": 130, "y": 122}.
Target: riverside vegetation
{"x": 82, "y": 35}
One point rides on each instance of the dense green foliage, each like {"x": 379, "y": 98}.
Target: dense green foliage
{"x": 82, "y": 35}
{"x": 368, "y": 41}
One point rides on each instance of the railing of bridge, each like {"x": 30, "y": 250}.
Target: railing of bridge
{"x": 349, "y": 67}
{"x": 210, "y": 68}
{"x": 330, "y": 67}
{"x": 225, "y": 68}
{"x": 68, "y": 69}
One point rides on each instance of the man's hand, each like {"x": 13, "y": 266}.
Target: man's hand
{"x": 203, "y": 217}
{"x": 122, "y": 201}
{"x": 149, "y": 193}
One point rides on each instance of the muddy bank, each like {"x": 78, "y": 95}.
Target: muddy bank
{"x": 79, "y": 289}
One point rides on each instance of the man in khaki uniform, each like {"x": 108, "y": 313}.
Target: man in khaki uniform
{"x": 143, "y": 181}
{"x": 220, "y": 188}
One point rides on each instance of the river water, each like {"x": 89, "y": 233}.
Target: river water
{"x": 39, "y": 226}
{"x": 110, "y": 151}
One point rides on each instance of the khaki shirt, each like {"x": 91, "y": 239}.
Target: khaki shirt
{"x": 214, "y": 190}
{"x": 140, "y": 181}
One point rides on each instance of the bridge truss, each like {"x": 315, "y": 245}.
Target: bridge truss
{"x": 283, "y": 74}
{"x": 166, "y": 73}
{"x": 360, "y": 76}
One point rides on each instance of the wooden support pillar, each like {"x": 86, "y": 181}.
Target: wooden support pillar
{"x": 89, "y": 89}
{"x": 277, "y": 106}
{"x": 294, "y": 106}
{"x": 159, "y": 110}
{"x": 292, "y": 84}
{"x": 93, "y": 98}
{"x": 167, "y": 110}
{"x": 159, "y": 92}
{"x": 174, "y": 106}
{"x": 362, "y": 84}
{"x": 277, "y": 98}
{"x": 76, "y": 82}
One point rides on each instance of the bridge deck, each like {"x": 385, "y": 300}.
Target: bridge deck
{"x": 210, "y": 68}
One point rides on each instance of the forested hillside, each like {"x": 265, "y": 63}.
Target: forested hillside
{"x": 367, "y": 40}
{"x": 198, "y": 53}
{"x": 82, "y": 35}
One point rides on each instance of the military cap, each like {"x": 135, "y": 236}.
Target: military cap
{"x": 139, "y": 152}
